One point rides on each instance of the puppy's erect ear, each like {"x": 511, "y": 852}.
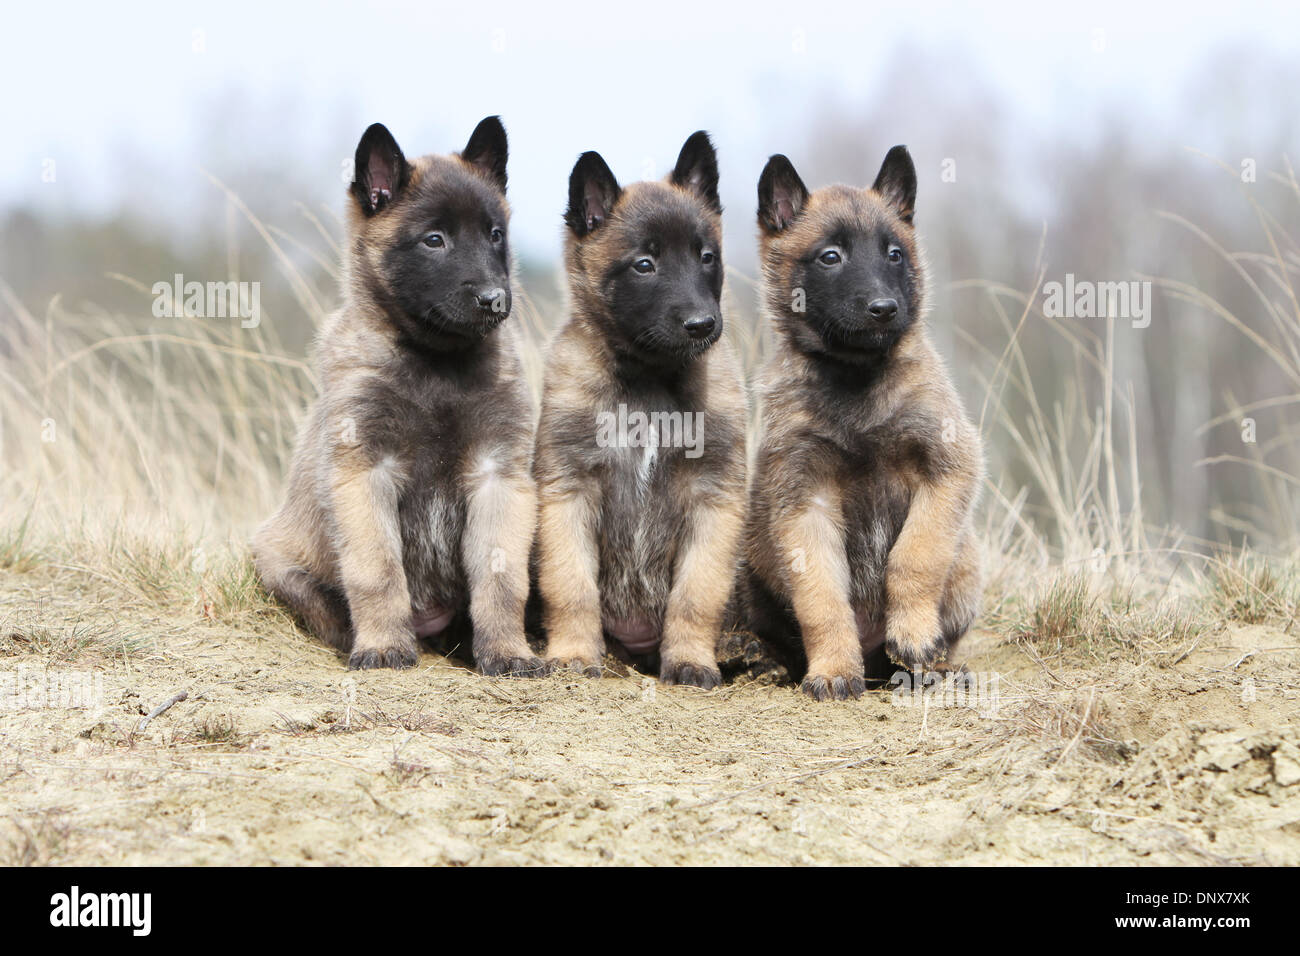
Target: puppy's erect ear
{"x": 781, "y": 194}
{"x": 697, "y": 169}
{"x": 381, "y": 170}
{"x": 487, "y": 150}
{"x": 896, "y": 182}
{"x": 593, "y": 191}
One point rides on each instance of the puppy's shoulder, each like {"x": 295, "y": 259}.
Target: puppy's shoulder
{"x": 726, "y": 379}
{"x": 577, "y": 366}
{"x": 352, "y": 346}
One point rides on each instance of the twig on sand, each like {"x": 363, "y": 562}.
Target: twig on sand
{"x": 1083, "y": 725}
{"x": 1259, "y": 650}
{"x": 164, "y": 706}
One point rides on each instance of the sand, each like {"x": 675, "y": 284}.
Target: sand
{"x": 279, "y": 755}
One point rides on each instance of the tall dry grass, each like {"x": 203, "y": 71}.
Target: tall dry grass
{"x": 1076, "y": 532}
{"x": 120, "y": 428}
{"x": 1273, "y": 333}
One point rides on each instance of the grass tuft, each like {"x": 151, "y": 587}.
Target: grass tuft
{"x": 1249, "y": 588}
{"x": 219, "y": 730}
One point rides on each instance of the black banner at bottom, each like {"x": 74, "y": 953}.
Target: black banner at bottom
{"x": 334, "y": 906}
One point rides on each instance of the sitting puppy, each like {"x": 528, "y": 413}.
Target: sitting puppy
{"x": 411, "y": 503}
{"x": 860, "y": 534}
{"x": 640, "y": 462}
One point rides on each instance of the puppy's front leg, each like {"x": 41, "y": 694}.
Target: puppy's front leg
{"x": 501, "y": 516}
{"x": 567, "y": 569}
{"x": 811, "y": 539}
{"x": 919, "y": 564}
{"x": 367, "y": 539}
{"x": 702, "y": 583}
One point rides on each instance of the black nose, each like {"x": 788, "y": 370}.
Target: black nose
{"x": 883, "y": 310}
{"x": 493, "y": 300}
{"x": 700, "y": 326}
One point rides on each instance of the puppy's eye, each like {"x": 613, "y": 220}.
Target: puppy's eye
{"x": 434, "y": 240}
{"x": 498, "y": 236}
{"x": 831, "y": 257}
{"x": 895, "y": 254}
{"x": 707, "y": 257}
{"x": 644, "y": 266}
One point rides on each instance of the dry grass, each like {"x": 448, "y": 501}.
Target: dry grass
{"x": 36, "y": 840}
{"x": 1251, "y": 588}
{"x": 220, "y": 729}
{"x": 1084, "y": 614}
{"x": 1069, "y": 725}
{"x": 1274, "y": 334}
{"x": 123, "y": 426}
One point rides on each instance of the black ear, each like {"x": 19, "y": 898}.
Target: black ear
{"x": 896, "y": 182}
{"x": 697, "y": 169}
{"x": 593, "y": 191}
{"x": 381, "y": 170}
{"x": 487, "y": 150}
{"x": 781, "y": 194}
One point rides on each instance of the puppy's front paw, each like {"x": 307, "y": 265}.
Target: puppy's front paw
{"x": 846, "y": 686}
{"x": 914, "y": 640}
{"x": 686, "y": 674}
{"x": 575, "y": 665}
{"x": 511, "y": 665}
{"x": 397, "y": 656}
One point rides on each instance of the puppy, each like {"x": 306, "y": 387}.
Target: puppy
{"x": 641, "y": 459}
{"x": 860, "y": 538}
{"x": 411, "y": 503}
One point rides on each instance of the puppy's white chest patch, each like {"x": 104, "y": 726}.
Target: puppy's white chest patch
{"x": 649, "y": 455}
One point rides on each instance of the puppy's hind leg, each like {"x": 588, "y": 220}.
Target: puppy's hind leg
{"x": 772, "y": 622}
{"x": 321, "y": 608}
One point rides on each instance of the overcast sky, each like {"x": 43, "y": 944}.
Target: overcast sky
{"x": 88, "y": 84}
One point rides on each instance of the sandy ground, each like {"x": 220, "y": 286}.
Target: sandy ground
{"x": 280, "y": 756}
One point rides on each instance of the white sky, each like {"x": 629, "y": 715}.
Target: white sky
{"x": 86, "y": 84}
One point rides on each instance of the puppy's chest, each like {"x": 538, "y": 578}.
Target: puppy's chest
{"x": 878, "y": 468}
{"x": 644, "y": 456}
{"x": 429, "y": 443}
{"x": 427, "y": 434}
{"x": 876, "y": 460}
